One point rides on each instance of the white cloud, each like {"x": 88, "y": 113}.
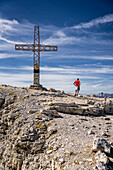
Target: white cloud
{"x": 7, "y": 25}
{"x": 59, "y": 37}
{"x": 80, "y": 70}
{"x": 94, "y": 22}
{"x": 15, "y": 68}
{"x": 9, "y": 41}
{"x": 60, "y": 33}
{"x": 6, "y": 47}
{"x": 8, "y": 22}
{"x": 61, "y": 40}
{"x": 105, "y": 57}
{"x": 12, "y": 30}
{"x": 22, "y": 55}
{"x": 87, "y": 70}
{"x": 20, "y": 79}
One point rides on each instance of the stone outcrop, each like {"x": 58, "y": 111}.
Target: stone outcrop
{"x": 101, "y": 157}
{"x": 101, "y": 144}
{"x": 44, "y": 130}
{"x": 103, "y": 149}
{"x": 101, "y": 166}
{"x": 108, "y": 107}
{"x": 77, "y": 109}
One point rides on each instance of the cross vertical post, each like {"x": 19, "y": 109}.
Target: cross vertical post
{"x": 36, "y": 55}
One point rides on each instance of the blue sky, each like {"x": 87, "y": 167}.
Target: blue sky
{"x": 83, "y": 31}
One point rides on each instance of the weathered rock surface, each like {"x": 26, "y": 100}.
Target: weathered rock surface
{"x": 46, "y": 130}
{"x": 101, "y": 144}
{"x": 102, "y": 147}
{"x": 101, "y": 166}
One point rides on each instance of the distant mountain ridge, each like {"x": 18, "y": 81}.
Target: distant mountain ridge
{"x": 110, "y": 95}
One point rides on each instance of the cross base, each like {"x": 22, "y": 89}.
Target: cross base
{"x": 37, "y": 87}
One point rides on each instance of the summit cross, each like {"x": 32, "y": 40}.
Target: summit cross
{"x": 36, "y": 47}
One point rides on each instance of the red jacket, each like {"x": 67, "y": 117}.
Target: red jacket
{"x": 77, "y": 83}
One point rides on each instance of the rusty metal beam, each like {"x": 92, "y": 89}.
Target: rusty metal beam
{"x": 31, "y": 47}
{"x": 24, "y": 47}
{"x": 48, "y": 48}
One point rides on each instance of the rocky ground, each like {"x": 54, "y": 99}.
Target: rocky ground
{"x": 53, "y": 130}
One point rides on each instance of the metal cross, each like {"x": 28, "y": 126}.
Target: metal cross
{"x": 36, "y": 47}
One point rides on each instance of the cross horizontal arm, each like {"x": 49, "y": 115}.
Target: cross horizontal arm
{"x": 25, "y": 47}
{"x": 36, "y": 47}
{"x": 48, "y": 48}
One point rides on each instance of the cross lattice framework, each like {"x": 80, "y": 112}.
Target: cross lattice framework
{"x": 36, "y": 47}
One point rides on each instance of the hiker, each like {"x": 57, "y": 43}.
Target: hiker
{"x": 77, "y": 84}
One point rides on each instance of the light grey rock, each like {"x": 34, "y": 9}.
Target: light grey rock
{"x": 50, "y": 112}
{"x": 66, "y": 109}
{"x": 91, "y": 132}
{"x": 61, "y": 160}
{"x": 17, "y": 163}
{"x": 52, "y": 90}
{"x": 9, "y": 100}
{"x": 62, "y": 104}
{"x": 72, "y": 108}
{"x": 5, "y": 111}
{"x": 71, "y": 123}
{"x": 105, "y": 134}
{"x": 31, "y": 129}
{"x": 101, "y": 144}
{"x": 38, "y": 147}
{"x": 49, "y": 151}
{"x": 101, "y": 157}
{"x": 52, "y": 129}
{"x": 90, "y": 102}
{"x": 101, "y": 166}
{"x": 1, "y": 167}
{"x": 1, "y": 151}
{"x": 108, "y": 107}
{"x": 36, "y": 158}
{"x": 2, "y": 100}
{"x": 31, "y": 111}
